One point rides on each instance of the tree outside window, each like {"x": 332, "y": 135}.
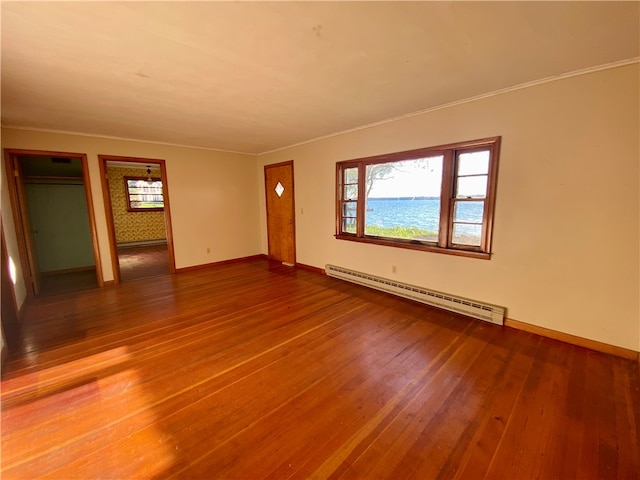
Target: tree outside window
{"x": 438, "y": 199}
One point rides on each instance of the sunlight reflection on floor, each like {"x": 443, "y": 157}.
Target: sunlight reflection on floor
{"x": 43, "y": 436}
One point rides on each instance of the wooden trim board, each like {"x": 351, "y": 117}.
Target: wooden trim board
{"x": 222, "y": 262}
{"x": 310, "y": 268}
{"x": 554, "y": 334}
{"x": 574, "y": 339}
{"x": 68, "y": 270}
{"x": 5, "y": 353}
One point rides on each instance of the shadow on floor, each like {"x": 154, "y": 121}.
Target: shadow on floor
{"x": 60, "y": 283}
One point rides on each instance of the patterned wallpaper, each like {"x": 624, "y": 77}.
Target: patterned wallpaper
{"x": 132, "y": 226}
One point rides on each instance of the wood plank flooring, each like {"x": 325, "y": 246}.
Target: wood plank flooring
{"x": 254, "y": 370}
{"x": 142, "y": 261}
{"x": 135, "y": 262}
{"x": 66, "y": 282}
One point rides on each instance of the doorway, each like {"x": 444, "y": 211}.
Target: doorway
{"x": 55, "y": 224}
{"x": 281, "y": 228}
{"x": 138, "y": 217}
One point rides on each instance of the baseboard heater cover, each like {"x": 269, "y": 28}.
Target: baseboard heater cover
{"x": 472, "y": 308}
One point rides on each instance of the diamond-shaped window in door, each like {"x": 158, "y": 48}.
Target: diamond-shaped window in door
{"x": 279, "y": 189}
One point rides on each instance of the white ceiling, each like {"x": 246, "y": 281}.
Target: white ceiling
{"x": 257, "y": 76}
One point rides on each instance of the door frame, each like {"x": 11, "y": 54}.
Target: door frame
{"x": 26, "y": 248}
{"x": 293, "y": 206}
{"x": 106, "y": 195}
{"x": 10, "y": 321}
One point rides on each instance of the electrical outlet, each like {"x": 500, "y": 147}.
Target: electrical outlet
{"x": 394, "y": 269}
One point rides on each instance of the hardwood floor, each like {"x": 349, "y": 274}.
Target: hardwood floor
{"x": 142, "y": 261}
{"x": 135, "y": 262}
{"x": 255, "y": 370}
{"x": 60, "y": 283}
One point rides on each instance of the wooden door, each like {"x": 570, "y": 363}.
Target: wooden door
{"x": 10, "y": 321}
{"x": 23, "y": 228}
{"x": 281, "y": 226}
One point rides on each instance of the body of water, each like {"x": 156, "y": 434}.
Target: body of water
{"x": 421, "y": 212}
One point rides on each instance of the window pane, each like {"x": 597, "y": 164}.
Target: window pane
{"x": 472, "y": 187}
{"x": 144, "y": 185}
{"x": 145, "y": 198}
{"x": 468, "y": 212}
{"x": 475, "y": 163}
{"x": 349, "y": 209}
{"x": 464, "y": 234}
{"x": 349, "y": 225}
{"x": 351, "y": 192}
{"x": 403, "y": 199}
{"x": 144, "y": 204}
{"x": 145, "y": 189}
{"x": 407, "y": 233}
{"x": 144, "y": 194}
{"x": 351, "y": 175}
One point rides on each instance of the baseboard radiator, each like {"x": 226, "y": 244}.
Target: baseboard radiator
{"x": 471, "y": 308}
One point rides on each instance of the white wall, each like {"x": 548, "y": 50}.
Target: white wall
{"x": 213, "y": 195}
{"x": 566, "y": 237}
{"x": 566, "y": 243}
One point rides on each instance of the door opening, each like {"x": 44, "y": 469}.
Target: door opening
{"x": 138, "y": 217}
{"x": 54, "y": 219}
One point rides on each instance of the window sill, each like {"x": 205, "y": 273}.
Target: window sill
{"x": 414, "y": 246}
{"x": 134, "y": 210}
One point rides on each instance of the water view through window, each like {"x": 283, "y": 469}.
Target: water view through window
{"x": 435, "y": 199}
{"x": 403, "y": 199}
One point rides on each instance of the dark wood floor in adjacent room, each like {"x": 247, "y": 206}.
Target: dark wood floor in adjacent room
{"x": 135, "y": 262}
{"x": 254, "y": 370}
{"x": 141, "y": 261}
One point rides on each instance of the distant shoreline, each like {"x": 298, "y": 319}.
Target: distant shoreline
{"x": 402, "y": 198}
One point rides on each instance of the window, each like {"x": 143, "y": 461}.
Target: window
{"x": 437, "y": 199}
{"x": 144, "y": 195}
